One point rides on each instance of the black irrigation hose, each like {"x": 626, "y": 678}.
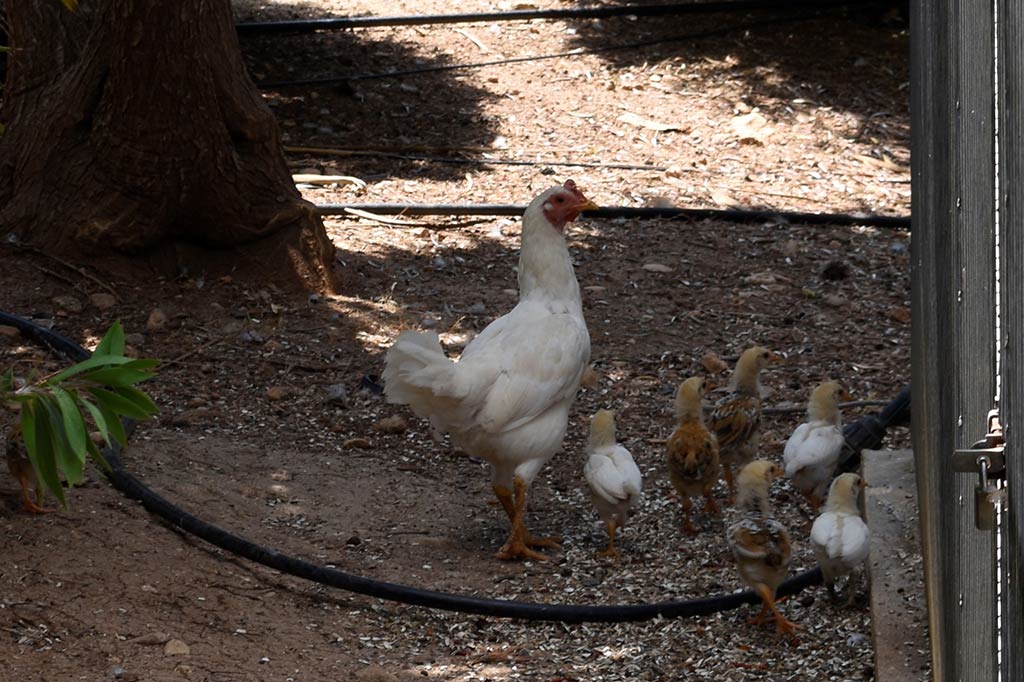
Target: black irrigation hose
{"x": 644, "y": 212}
{"x": 868, "y": 431}
{"x": 340, "y": 23}
{"x": 135, "y": 489}
{"x": 712, "y": 33}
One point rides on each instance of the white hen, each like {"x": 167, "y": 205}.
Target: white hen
{"x": 812, "y": 452}
{"x": 614, "y": 479}
{"x": 507, "y": 399}
{"x": 840, "y": 537}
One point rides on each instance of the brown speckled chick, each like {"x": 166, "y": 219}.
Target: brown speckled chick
{"x": 761, "y": 544}
{"x": 692, "y": 451}
{"x": 736, "y": 419}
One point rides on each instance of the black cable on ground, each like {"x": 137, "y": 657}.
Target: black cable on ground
{"x": 867, "y": 432}
{"x": 677, "y": 8}
{"x": 643, "y": 213}
{"x": 713, "y": 33}
{"x": 135, "y": 489}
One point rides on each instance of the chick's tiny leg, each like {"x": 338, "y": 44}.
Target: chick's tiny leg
{"x": 687, "y": 524}
{"x": 727, "y": 473}
{"x": 710, "y": 506}
{"x": 28, "y": 504}
{"x": 782, "y": 625}
{"x": 611, "y": 551}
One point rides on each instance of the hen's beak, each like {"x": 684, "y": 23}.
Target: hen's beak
{"x": 587, "y": 205}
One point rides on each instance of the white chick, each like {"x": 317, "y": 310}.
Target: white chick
{"x": 840, "y": 537}
{"x": 614, "y": 479}
{"x": 812, "y": 452}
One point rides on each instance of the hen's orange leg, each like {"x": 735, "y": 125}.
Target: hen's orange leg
{"x": 520, "y": 490}
{"x": 782, "y": 625}
{"x": 611, "y": 551}
{"x": 504, "y": 496}
{"x": 517, "y": 545}
{"x": 28, "y": 504}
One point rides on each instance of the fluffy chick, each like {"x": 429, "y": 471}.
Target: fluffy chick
{"x": 812, "y": 453}
{"x": 736, "y": 419}
{"x": 840, "y": 537}
{"x": 760, "y": 544}
{"x": 692, "y": 450}
{"x": 614, "y": 479}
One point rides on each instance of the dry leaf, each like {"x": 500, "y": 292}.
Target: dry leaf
{"x": 722, "y": 197}
{"x": 751, "y": 128}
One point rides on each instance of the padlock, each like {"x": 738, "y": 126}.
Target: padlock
{"x": 988, "y": 498}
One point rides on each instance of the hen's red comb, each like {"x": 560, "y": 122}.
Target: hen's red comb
{"x": 571, "y": 186}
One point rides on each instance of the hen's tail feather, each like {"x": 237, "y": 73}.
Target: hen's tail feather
{"x": 417, "y": 373}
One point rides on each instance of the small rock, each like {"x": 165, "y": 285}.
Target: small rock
{"x": 477, "y": 309}
{"x": 176, "y": 647}
{"x": 135, "y": 339}
{"x": 392, "y": 424}
{"x": 157, "y": 320}
{"x": 68, "y": 303}
{"x": 440, "y": 263}
{"x": 899, "y": 248}
{"x": 856, "y": 639}
{"x": 428, "y": 323}
{"x": 835, "y": 301}
{"x": 354, "y": 541}
{"x": 900, "y": 314}
{"x": 103, "y": 301}
{"x": 656, "y": 267}
{"x": 357, "y": 442}
{"x": 314, "y": 298}
{"x": 376, "y": 673}
{"x": 250, "y": 336}
{"x": 336, "y": 394}
{"x": 835, "y": 270}
{"x": 713, "y": 364}
{"x": 9, "y": 332}
{"x": 275, "y": 393}
{"x": 264, "y": 660}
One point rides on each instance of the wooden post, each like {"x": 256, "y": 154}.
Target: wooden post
{"x": 953, "y": 295}
{"x": 1011, "y": 233}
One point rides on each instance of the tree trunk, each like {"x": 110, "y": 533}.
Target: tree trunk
{"x": 133, "y": 128}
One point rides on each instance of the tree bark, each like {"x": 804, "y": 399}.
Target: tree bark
{"x": 132, "y": 128}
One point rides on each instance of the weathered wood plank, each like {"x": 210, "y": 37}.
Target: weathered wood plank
{"x": 954, "y": 327}
{"x": 1011, "y": 153}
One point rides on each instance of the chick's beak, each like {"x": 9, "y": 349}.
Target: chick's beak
{"x": 775, "y": 359}
{"x": 845, "y": 395}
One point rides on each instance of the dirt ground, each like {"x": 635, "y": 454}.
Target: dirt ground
{"x": 272, "y": 424}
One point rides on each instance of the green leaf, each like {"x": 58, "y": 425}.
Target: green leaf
{"x": 117, "y": 403}
{"x": 112, "y": 342}
{"x": 116, "y": 376}
{"x": 74, "y": 425}
{"x": 7, "y": 383}
{"x": 68, "y": 461}
{"x": 139, "y": 399}
{"x": 97, "y": 418}
{"x": 113, "y": 422}
{"x": 28, "y": 428}
{"x": 95, "y": 361}
{"x": 41, "y": 452}
{"x": 98, "y": 457}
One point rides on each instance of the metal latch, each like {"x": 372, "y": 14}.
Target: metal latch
{"x": 985, "y": 457}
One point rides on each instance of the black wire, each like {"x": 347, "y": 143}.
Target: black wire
{"x": 638, "y": 212}
{"x": 135, "y": 489}
{"x": 339, "y": 23}
{"x": 336, "y": 80}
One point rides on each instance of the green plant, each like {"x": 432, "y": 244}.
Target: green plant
{"x": 58, "y": 409}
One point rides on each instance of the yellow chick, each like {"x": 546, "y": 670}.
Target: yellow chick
{"x": 812, "y": 453}
{"x": 760, "y": 544}
{"x": 614, "y": 479}
{"x": 692, "y": 451}
{"x": 736, "y": 419}
{"x": 840, "y": 538}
